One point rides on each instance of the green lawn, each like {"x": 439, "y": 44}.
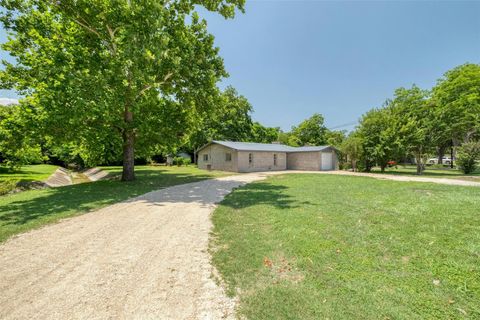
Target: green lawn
{"x": 10, "y": 179}
{"x": 302, "y": 246}
{"x": 431, "y": 172}
{"x": 30, "y": 209}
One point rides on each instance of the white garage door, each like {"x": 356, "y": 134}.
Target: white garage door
{"x": 327, "y": 161}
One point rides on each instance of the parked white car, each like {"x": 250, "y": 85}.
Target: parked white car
{"x": 445, "y": 160}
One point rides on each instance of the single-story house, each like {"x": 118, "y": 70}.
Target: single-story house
{"x": 249, "y": 157}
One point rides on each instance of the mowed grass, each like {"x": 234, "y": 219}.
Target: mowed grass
{"x": 30, "y": 209}
{"x": 38, "y": 172}
{"x": 302, "y": 246}
{"x": 10, "y": 179}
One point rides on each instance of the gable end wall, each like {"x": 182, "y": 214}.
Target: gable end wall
{"x": 217, "y": 158}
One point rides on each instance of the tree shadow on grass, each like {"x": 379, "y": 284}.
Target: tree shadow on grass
{"x": 64, "y": 201}
{"x": 262, "y": 193}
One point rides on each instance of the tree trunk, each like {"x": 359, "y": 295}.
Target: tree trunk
{"x": 440, "y": 154}
{"x": 128, "y": 173}
{"x": 451, "y": 157}
{"x": 418, "y": 160}
{"x": 382, "y": 168}
{"x": 368, "y": 168}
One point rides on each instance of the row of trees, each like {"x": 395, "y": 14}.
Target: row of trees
{"x": 228, "y": 119}
{"x": 420, "y": 123}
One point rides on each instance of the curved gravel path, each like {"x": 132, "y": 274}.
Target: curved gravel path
{"x": 145, "y": 258}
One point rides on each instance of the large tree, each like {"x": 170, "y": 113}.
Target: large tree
{"x": 311, "y": 131}
{"x": 379, "y": 138}
{"x": 457, "y": 97}
{"x": 233, "y": 122}
{"x": 131, "y": 73}
{"x": 352, "y": 149}
{"x": 230, "y": 119}
{"x": 263, "y": 134}
{"x": 336, "y": 137}
{"x": 415, "y": 123}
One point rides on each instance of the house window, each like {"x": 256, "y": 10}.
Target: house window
{"x": 228, "y": 157}
{"x": 205, "y": 157}
{"x": 250, "y": 158}
{"x": 274, "y": 159}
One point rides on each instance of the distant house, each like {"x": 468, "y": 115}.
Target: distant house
{"x": 250, "y": 157}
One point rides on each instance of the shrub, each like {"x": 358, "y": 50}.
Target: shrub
{"x": 7, "y": 186}
{"x": 179, "y": 161}
{"x": 467, "y": 156}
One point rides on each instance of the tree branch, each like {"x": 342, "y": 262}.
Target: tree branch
{"x": 88, "y": 28}
{"x": 112, "y": 38}
{"x": 150, "y": 86}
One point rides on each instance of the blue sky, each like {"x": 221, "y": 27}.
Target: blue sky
{"x": 339, "y": 58}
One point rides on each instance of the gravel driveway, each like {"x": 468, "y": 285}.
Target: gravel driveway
{"x": 141, "y": 259}
{"x": 449, "y": 181}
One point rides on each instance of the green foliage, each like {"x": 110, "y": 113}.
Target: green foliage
{"x": 467, "y": 156}
{"x": 353, "y": 152}
{"x": 112, "y": 76}
{"x": 458, "y": 96}
{"x": 283, "y": 137}
{"x": 229, "y": 120}
{"x": 288, "y": 138}
{"x": 312, "y": 131}
{"x": 181, "y": 161}
{"x": 406, "y": 125}
{"x": 415, "y": 123}
{"x": 378, "y": 136}
{"x": 7, "y": 186}
{"x": 17, "y": 145}
{"x": 263, "y": 134}
{"x": 336, "y": 137}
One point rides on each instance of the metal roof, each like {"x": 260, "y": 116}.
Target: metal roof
{"x": 272, "y": 147}
{"x": 310, "y": 148}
